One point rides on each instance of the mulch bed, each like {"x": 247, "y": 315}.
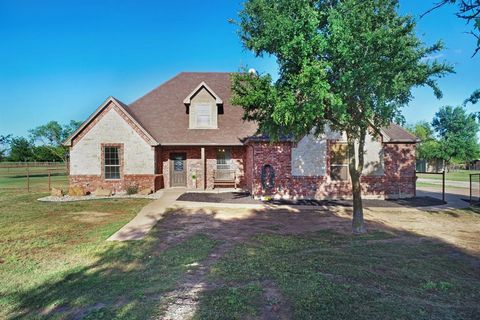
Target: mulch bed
{"x": 245, "y": 198}
{"x": 224, "y": 197}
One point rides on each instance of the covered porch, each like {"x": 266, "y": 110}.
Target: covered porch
{"x": 201, "y": 167}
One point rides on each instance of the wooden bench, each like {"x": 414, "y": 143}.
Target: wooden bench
{"x": 224, "y": 178}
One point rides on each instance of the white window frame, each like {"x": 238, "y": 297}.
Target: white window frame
{"x": 228, "y": 165}
{"x": 197, "y": 114}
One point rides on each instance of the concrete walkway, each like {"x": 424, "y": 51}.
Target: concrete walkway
{"x": 139, "y": 226}
{"x": 448, "y": 183}
{"x": 452, "y": 197}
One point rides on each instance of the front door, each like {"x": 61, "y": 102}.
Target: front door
{"x": 178, "y": 169}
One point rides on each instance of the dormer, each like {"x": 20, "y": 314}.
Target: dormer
{"x": 203, "y": 106}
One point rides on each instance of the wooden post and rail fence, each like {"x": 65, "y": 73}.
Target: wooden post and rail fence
{"x": 37, "y": 174}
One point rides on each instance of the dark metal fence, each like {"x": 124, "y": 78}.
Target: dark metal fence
{"x": 443, "y": 180}
{"x": 474, "y": 192}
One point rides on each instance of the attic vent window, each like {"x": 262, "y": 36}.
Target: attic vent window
{"x": 203, "y": 116}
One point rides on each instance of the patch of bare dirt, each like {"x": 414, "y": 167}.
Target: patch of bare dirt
{"x": 237, "y": 225}
{"x": 275, "y": 306}
{"x": 182, "y": 302}
{"x": 89, "y": 216}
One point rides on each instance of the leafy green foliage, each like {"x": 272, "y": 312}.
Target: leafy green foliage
{"x": 474, "y": 98}
{"x": 457, "y": 131}
{"x": 21, "y": 149}
{"x": 428, "y": 148}
{"x": 349, "y": 64}
{"x": 51, "y": 136}
{"x": 4, "y": 142}
{"x": 133, "y": 189}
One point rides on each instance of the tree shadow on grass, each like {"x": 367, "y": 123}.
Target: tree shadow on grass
{"x": 125, "y": 282}
{"x": 307, "y": 257}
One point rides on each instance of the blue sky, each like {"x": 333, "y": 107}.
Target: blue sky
{"x": 61, "y": 59}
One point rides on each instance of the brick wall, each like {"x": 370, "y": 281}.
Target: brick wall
{"x": 399, "y": 161}
{"x": 91, "y": 182}
{"x": 248, "y": 168}
{"x": 238, "y": 159}
{"x": 194, "y": 165}
{"x": 398, "y": 180}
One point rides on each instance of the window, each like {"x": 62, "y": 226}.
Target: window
{"x": 339, "y": 162}
{"x": 224, "y": 159}
{"x": 203, "y": 116}
{"x": 112, "y": 162}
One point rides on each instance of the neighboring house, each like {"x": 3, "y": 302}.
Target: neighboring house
{"x": 432, "y": 165}
{"x": 185, "y": 133}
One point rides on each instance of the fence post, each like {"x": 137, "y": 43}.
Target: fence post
{"x": 28, "y": 179}
{"x": 443, "y": 186}
{"x": 470, "y": 188}
{"x": 49, "y": 180}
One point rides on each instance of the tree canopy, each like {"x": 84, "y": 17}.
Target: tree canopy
{"x": 457, "y": 131}
{"x": 21, "y": 150}
{"x": 4, "y": 143}
{"x": 349, "y": 64}
{"x": 50, "y": 137}
{"x": 428, "y": 148}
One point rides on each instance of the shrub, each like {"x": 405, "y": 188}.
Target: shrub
{"x": 132, "y": 190}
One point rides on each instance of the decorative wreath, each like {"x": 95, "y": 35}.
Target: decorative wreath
{"x": 268, "y": 177}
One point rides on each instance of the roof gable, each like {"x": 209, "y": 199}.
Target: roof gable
{"x": 123, "y": 108}
{"x": 201, "y": 86}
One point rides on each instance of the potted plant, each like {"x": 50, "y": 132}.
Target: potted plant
{"x": 194, "y": 179}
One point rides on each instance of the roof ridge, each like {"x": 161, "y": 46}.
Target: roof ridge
{"x": 157, "y": 87}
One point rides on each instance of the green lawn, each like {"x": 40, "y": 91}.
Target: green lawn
{"x": 325, "y": 275}
{"x": 56, "y": 264}
{"x": 16, "y": 178}
{"x": 459, "y": 175}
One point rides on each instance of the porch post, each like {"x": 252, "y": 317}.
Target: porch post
{"x": 204, "y": 171}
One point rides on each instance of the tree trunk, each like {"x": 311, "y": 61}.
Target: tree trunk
{"x": 358, "y": 224}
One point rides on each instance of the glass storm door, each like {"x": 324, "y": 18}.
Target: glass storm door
{"x": 178, "y": 170}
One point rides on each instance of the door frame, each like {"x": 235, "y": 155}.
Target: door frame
{"x": 171, "y": 166}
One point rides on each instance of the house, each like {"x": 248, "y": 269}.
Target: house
{"x": 186, "y": 133}
{"x": 431, "y": 165}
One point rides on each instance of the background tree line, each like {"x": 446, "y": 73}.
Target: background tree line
{"x": 43, "y": 143}
{"x": 451, "y": 136}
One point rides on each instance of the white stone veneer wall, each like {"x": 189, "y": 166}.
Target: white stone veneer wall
{"x": 310, "y": 155}
{"x": 85, "y": 155}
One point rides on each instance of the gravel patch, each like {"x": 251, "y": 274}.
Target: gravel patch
{"x": 67, "y": 198}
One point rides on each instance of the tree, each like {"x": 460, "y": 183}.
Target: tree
{"x": 457, "y": 131}
{"x": 468, "y": 10}
{"x": 21, "y": 150}
{"x": 51, "y": 136}
{"x": 349, "y": 64}
{"x": 428, "y": 148}
{"x": 4, "y": 142}
{"x": 474, "y": 98}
